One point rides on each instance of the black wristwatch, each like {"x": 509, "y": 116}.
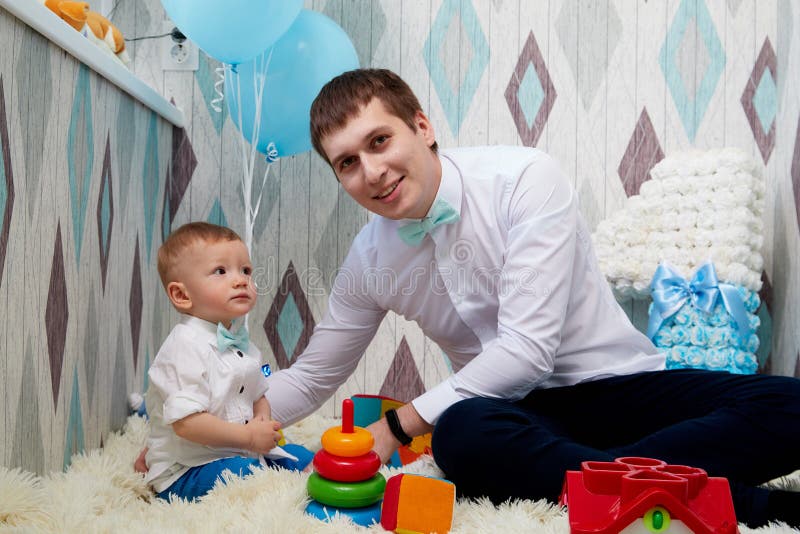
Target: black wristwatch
{"x": 394, "y": 426}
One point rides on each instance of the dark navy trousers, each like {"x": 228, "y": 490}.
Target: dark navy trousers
{"x": 744, "y": 428}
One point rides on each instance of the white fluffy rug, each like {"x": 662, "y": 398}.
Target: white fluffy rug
{"x": 101, "y": 493}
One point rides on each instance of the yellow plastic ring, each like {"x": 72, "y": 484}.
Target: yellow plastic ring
{"x": 349, "y": 444}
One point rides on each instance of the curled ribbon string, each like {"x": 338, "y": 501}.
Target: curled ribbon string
{"x": 218, "y": 89}
{"x": 272, "y": 153}
{"x": 670, "y": 292}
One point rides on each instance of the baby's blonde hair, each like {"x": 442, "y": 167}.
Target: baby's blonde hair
{"x": 181, "y": 239}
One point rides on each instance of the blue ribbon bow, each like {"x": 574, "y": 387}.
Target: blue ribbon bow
{"x": 225, "y": 339}
{"x": 670, "y": 292}
{"x": 413, "y": 233}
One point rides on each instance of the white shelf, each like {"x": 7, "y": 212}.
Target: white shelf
{"x": 41, "y": 19}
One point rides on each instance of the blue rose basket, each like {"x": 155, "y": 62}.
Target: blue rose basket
{"x": 702, "y": 323}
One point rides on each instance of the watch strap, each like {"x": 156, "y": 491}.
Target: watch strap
{"x": 394, "y": 425}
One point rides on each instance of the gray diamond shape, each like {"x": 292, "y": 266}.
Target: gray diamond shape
{"x": 599, "y": 28}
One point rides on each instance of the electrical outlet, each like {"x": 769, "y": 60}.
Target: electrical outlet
{"x": 177, "y": 55}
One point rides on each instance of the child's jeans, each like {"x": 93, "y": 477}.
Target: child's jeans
{"x": 199, "y": 480}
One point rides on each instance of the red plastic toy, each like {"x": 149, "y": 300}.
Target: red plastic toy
{"x": 644, "y": 495}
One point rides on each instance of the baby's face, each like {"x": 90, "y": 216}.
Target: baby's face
{"x": 217, "y": 278}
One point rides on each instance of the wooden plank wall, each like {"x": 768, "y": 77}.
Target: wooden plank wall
{"x": 602, "y": 58}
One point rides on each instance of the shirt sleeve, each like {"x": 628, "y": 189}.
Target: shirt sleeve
{"x": 536, "y": 284}
{"x": 179, "y": 377}
{"x": 334, "y": 350}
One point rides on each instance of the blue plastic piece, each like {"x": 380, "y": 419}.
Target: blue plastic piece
{"x": 365, "y": 516}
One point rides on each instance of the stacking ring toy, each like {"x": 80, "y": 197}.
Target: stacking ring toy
{"x": 350, "y": 440}
{"x": 346, "y": 469}
{"x": 365, "y": 516}
{"x": 346, "y": 494}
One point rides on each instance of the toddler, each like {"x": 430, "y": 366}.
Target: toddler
{"x": 206, "y": 399}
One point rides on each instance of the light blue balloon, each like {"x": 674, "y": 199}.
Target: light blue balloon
{"x": 233, "y": 31}
{"x": 312, "y": 52}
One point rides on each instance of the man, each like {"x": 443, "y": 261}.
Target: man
{"x": 486, "y": 250}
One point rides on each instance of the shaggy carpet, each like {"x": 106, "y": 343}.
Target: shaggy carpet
{"x": 100, "y": 492}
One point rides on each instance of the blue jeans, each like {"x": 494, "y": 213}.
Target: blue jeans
{"x": 744, "y": 428}
{"x": 199, "y": 480}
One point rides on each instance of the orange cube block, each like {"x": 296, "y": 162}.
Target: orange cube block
{"x": 414, "y": 504}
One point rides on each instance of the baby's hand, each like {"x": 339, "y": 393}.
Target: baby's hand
{"x": 264, "y": 435}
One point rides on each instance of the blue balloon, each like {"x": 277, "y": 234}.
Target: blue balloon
{"x": 233, "y": 31}
{"x": 312, "y": 52}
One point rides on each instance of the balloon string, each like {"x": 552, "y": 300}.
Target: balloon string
{"x": 260, "y": 68}
{"x": 270, "y": 149}
{"x": 218, "y": 89}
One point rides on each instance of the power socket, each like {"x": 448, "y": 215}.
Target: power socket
{"x": 176, "y": 55}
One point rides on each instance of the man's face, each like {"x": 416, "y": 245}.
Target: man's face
{"x": 383, "y": 164}
{"x": 216, "y": 278}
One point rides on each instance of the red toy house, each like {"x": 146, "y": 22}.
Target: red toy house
{"x": 643, "y": 495}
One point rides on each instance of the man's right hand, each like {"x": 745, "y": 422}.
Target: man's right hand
{"x": 264, "y": 435}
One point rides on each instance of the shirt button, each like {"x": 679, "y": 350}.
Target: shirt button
{"x": 240, "y": 353}
{"x": 241, "y": 390}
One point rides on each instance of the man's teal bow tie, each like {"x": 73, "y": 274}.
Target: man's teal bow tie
{"x": 413, "y": 233}
{"x": 225, "y": 339}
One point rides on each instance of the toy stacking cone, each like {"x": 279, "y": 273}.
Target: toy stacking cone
{"x": 346, "y": 480}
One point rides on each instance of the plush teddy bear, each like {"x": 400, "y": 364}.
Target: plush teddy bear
{"x": 92, "y": 25}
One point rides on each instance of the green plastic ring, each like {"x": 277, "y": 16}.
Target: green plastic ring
{"x": 346, "y": 494}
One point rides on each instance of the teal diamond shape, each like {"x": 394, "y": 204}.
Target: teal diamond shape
{"x": 150, "y": 182}
{"x": 290, "y": 326}
{"x": 207, "y": 77}
{"x": 80, "y": 155}
{"x": 74, "y": 440}
{"x": 531, "y": 95}
{"x": 456, "y": 100}
{"x": 766, "y": 100}
{"x": 692, "y": 107}
{"x": 217, "y": 216}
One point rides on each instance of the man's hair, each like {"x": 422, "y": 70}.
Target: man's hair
{"x": 342, "y": 98}
{"x": 187, "y": 235}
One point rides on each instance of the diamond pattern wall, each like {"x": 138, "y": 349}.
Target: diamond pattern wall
{"x": 607, "y": 88}
{"x": 289, "y": 323}
{"x": 105, "y": 212}
{"x": 692, "y": 34}
{"x": 73, "y": 443}
{"x": 530, "y": 94}
{"x": 135, "y": 303}
{"x": 150, "y": 179}
{"x": 456, "y": 27}
{"x": 403, "y": 381}
{"x": 760, "y": 100}
{"x": 80, "y": 155}
{"x": 642, "y": 153}
{"x": 6, "y": 182}
{"x": 56, "y": 316}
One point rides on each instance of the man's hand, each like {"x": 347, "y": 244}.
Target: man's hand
{"x": 385, "y": 442}
{"x": 264, "y": 435}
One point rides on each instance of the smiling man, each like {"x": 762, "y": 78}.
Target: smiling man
{"x": 486, "y": 250}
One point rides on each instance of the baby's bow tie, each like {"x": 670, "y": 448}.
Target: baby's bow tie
{"x": 413, "y": 233}
{"x": 226, "y": 340}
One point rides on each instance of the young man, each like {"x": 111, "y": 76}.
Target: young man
{"x": 486, "y": 250}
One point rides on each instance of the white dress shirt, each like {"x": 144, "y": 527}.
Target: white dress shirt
{"x": 511, "y": 292}
{"x": 190, "y": 375}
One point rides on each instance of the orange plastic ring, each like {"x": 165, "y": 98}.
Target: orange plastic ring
{"x": 356, "y": 443}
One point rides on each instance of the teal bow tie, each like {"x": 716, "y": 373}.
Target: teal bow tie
{"x": 225, "y": 339}
{"x": 413, "y": 233}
